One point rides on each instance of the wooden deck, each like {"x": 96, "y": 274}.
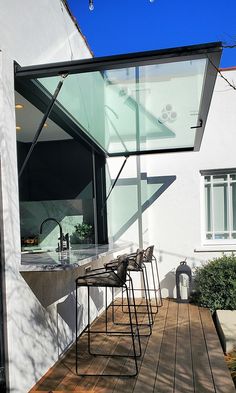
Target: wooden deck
{"x": 183, "y": 355}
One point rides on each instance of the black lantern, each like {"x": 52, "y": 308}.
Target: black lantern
{"x": 183, "y": 282}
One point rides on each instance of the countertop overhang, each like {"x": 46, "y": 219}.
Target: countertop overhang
{"x": 49, "y": 261}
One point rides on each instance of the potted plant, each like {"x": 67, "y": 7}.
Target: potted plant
{"x": 83, "y": 232}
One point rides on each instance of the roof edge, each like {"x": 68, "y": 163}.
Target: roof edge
{"x": 233, "y": 68}
{"x": 117, "y": 61}
{"x": 73, "y": 18}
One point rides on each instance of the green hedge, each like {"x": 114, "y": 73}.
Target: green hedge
{"x": 215, "y": 284}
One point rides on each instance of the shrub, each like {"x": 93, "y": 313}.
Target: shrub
{"x": 216, "y": 284}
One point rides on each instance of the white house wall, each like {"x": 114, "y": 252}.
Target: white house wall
{"x": 35, "y": 32}
{"x": 174, "y": 222}
{"x": 31, "y": 33}
{"x": 43, "y": 32}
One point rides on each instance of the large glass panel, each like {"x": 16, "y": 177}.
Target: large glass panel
{"x": 131, "y": 197}
{"x": 122, "y": 204}
{"x": 82, "y": 97}
{"x": 148, "y": 107}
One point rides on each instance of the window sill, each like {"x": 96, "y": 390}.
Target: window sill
{"x": 216, "y": 248}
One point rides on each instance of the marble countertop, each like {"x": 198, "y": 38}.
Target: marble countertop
{"x": 40, "y": 260}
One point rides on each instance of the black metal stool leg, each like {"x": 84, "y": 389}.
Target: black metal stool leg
{"x": 136, "y": 321}
{"x": 155, "y": 289}
{"x": 88, "y": 329}
{"x": 110, "y": 280}
{"x": 154, "y": 286}
{"x": 158, "y": 281}
{"x": 110, "y": 332}
{"x": 132, "y": 333}
{"x": 106, "y": 307}
{"x": 148, "y": 310}
{"x": 148, "y": 298}
{"x": 76, "y": 329}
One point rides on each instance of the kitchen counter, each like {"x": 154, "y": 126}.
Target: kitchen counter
{"x": 39, "y": 260}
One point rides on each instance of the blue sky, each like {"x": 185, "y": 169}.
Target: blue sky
{"x": 124, "y": 26}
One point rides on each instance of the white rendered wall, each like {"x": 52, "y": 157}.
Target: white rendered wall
{"x": 38, "y": 32}
{"x": 38, "y": 330}
{"x": 174, "y": 222}
{"x": 42, "y": 32}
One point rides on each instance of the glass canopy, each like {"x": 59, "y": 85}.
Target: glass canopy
{"x": 136, "y": 104}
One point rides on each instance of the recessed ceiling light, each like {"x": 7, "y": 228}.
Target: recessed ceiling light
{"x": 18, "y": 128}
{"x": 19, "y": 106}
{"x": 45, "y": 125}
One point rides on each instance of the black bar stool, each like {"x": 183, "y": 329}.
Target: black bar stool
{"x": 135, "y": 265}
{"x": 108, "y": 279}
{"x": 149, "y": 258}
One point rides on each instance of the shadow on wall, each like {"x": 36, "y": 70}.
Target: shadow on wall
{"x": 66, "y": 316}
{"x": 66, "y": 320}
{"x": 168, "y": 286}
{"x": 64, "y": 311}
{"x": 33, "y": 326}
{"x": 152, "y": 188}
{"x": 48, "y": 329}
{"x": 59, "y": 286}
{"x": 96, "y": 296}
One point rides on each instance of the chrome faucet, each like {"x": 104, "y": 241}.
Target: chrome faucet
{"x": 63, "y": 239}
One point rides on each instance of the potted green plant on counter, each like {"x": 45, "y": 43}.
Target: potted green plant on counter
{"x": 83, "y": 233}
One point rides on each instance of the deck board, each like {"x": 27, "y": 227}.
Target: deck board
{"x": 202, "y": 375}
{"x": 183, "y": 355}
{"x": 183, "y": 365}
{"x": 220, "y": 371}
{"x": 145, "y": 380}
{"x": 166, "y": 368}
{"x": 124, "y": 344}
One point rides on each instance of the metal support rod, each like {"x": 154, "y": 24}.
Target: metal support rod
{"x": 114, "y": 127}
{"x": 117, "y": 177}
{"x": 40, "y": 127}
